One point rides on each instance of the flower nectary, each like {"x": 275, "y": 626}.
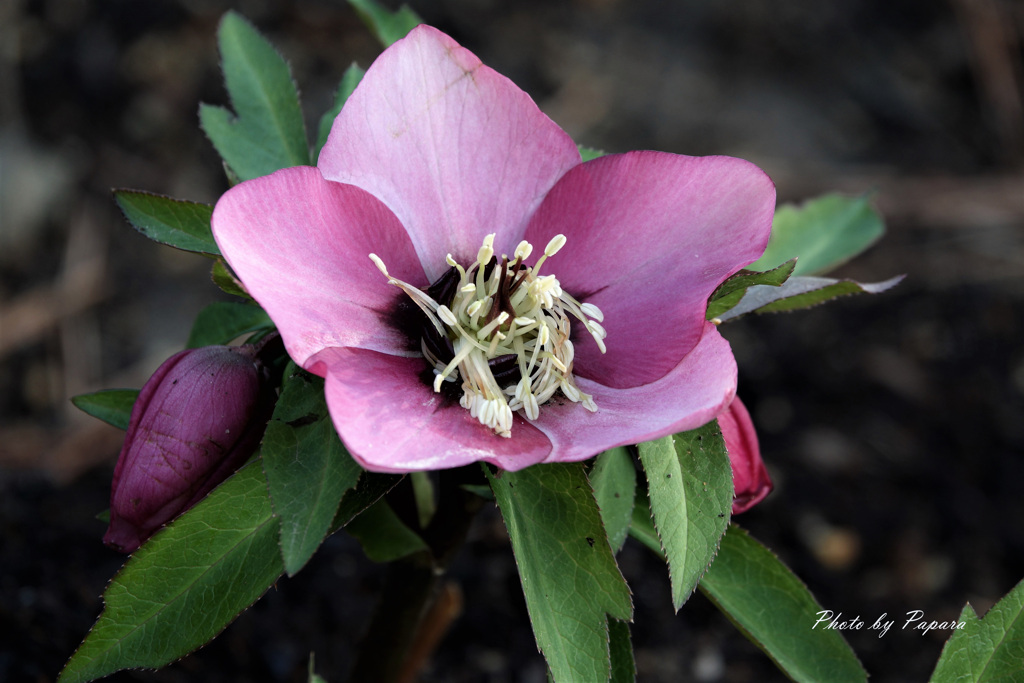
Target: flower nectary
{"x": 505, "y": 331}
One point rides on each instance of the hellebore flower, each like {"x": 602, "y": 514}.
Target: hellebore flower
{"x": 402, "y": 270}
{"x": 198, "y": 418}
{"x": 749, "y": 477}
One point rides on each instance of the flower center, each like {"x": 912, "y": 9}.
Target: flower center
{"x": 502, "y": 329}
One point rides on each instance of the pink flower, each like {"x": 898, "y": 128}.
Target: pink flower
{"x": 402, "y": 270}
{"x": 197, "y": 420}
{"x": 749, "y": 477}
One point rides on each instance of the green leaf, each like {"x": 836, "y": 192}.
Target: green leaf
{"x": 267, "y": 131}
{"x": 183, "y": 586}
{"x": 308, "y": 469}
{"x": 349, "y": 81}
{"x": 569, "y": 574}
{"x": 222, "y": 321}
{"x": 989, "y": 649}
{"x": 613, "y": 478}
{"x": 730, "y": 292}
{"x": 689, "y": 482}
{"x": 481, "y": 490}
{"x": 621, "y": 648}
{"x": 190, "y": 580}
{"x": 801, "y": 292}
{"x": 371, "y": 487}
{"x": 383, "y": 535}
{"x": 824, "y": 233}
{"x": 388, "y": 26}
{"x": 773, "y": 608}
{"x": 589, "y": 153}
{"x": 174, "y": 222}
{"x": 226, "y": 280}
{"x": 426, "y": 497}
{"x": 313, "y": 676}
{"x": 113, "y": 406}
{"x": 642, "y": 527}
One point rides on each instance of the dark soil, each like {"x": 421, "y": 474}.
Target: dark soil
{"x": 893, "y": 425}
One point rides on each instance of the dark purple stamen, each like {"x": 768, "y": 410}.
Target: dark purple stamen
{"x": 505, "y": 369}
{"x": 436, "y": 343}
{"x": 444, "y": 288}
{"x": 503, "y": 301}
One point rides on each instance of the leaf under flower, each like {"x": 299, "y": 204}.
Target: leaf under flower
{"x": 113, "y": 406}
{"x": 388, "y": 26}
{"x": 986, "y": 649}
{"x": 223, "y": 321}
{"x": 824, "y": 232}
{"x": 802, "y": 292}
{"x": 774, "y": 609}
{"x": 266, "y": 132}
{"x": 730, "y": 292}
{"x": 175, "y": 222}
{"x": 553, "y": 521}
{"x": 308, "y": 469}
{"x": 189, "y": 581}
{"x": 689, "y": 482}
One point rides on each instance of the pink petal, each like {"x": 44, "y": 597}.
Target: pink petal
{"x": 650, "y": 237}
{"x": 749, "y": 476}
{"x": 300, "y": 244}
{"x": 692, "y": 394}
{"x": 391, "y": 421}
{"x": 453, "y": 148}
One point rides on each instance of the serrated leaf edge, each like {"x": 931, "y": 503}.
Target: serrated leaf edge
{"x": 270, "y": 520}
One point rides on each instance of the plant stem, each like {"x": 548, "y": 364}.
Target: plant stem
{"x": 408, "y": 588}
{"x": 411, "y": 583}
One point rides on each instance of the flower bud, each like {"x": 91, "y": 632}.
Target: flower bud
{"x": 196, "y": 421}
{"x": 749, "y": 476}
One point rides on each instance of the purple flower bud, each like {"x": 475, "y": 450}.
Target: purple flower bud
{"x": 197, "y": 420}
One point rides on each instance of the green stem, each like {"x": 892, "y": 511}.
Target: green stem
{"x": 408, "y": 588}
{"x": 411, "y": 583}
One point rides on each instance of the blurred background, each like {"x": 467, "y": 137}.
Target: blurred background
{"x": 892, "y": 425}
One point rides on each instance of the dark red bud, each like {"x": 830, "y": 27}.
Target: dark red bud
{"x": 749, "y": 475}
{"x": 196, "y": 421}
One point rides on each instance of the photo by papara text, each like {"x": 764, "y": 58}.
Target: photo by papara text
{"x": 912, "y": 620}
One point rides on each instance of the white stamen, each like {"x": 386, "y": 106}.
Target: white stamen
{"x": 597, "y": 329}
{"x": 555, "y": 245}
{"x": 531, "y": 407}
{"x": 558, "y": 364}
{"x": 380, "y": 265}
{"x": 446, "y": 316}
{"x": 570, "y": 390}
{"x": 592, "y": 311}
{"x": 523, "y": 250}
{"x": 486, "y": 252}
{"x": 490, "y": 327}
{"x": 536, "y": 317}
